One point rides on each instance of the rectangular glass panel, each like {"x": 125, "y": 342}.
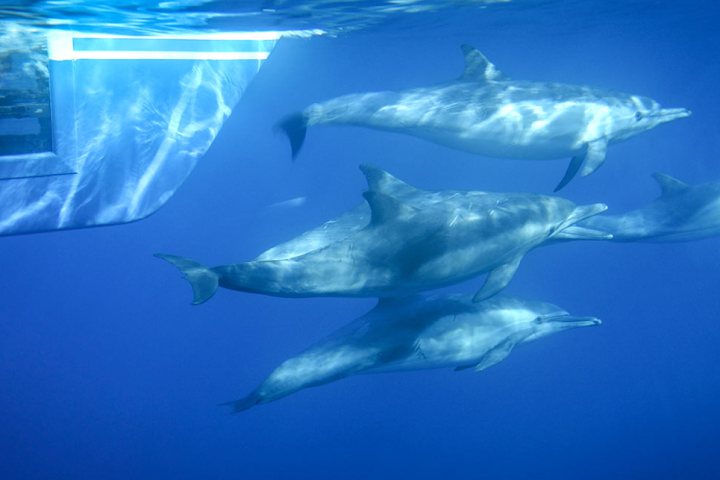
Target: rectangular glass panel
{"x": 25, "y": 122}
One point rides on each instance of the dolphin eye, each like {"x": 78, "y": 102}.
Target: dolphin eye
{"x": 538, "y": 320}
{"x": 638, "y": 116}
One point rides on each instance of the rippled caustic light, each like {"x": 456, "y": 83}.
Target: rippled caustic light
{"x": 127, "y": 120}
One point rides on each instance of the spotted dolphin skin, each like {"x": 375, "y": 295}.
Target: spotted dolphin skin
{"x": 682, "y": 212}
{"x": 486, "y": 113}
{"x": 435, "y": 240}
{"x": 417, "y": 333}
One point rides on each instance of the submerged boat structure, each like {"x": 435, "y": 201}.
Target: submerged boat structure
{"x": 103, "y": 129}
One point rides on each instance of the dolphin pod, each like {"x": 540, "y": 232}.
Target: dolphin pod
{"x": 413, "y": 242}
{"x": 417, "y": 333}
{"x": 486, "y": 113}
{"x": 402, "y": 240}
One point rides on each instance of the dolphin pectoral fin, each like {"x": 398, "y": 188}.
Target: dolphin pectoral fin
{"x": 669, "y": 185}
{"x": 497, "y": 279}
{"x": 594, "y": 156}
{"x": 243, "y": 404}
{"x": 203, "y": 280}
{"x": 496, "y": 355}
{"x": 571, "y": 171}
{"x": 590, "y": 160}
{"x": 463, "y": 367}
{"x": 396, "y": 302}
{"x": 500, "y": 351}
{"x": 295, "y": 127}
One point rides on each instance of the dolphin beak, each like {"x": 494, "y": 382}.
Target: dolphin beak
{"x": 576, "y": 232}
{"x": 579, "y": 214}
{"x": 570, "y": 321}
{"x": 670, "y": 114}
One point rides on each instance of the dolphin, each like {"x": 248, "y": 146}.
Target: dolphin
{"x": 682, "y": 212}
{"x": 486, "y": 113}
{"x": 407, "y": 246}
{"x": 416, "y": 333}
{"x": 359, "y": 217}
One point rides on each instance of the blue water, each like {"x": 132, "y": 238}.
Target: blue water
{"x": 107, "y": 372}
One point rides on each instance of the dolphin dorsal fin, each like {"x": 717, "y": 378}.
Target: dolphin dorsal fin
{"x": 381, "y": 181}
{"x": 669, "y": 185}
{"x": 477, "y": 67}
{"x": 385, "y": 208}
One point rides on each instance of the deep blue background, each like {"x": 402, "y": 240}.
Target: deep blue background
{"x": 106, "y": 371}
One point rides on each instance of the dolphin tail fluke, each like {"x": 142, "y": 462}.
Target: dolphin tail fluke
{"x": 243, "y": 404}
{"x": 295, "y": 127}
{"x": 203, "y": 280}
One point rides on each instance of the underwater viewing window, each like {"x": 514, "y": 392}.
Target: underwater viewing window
{"x": 27, "y": 134}
{"x": 25, "y": 111}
